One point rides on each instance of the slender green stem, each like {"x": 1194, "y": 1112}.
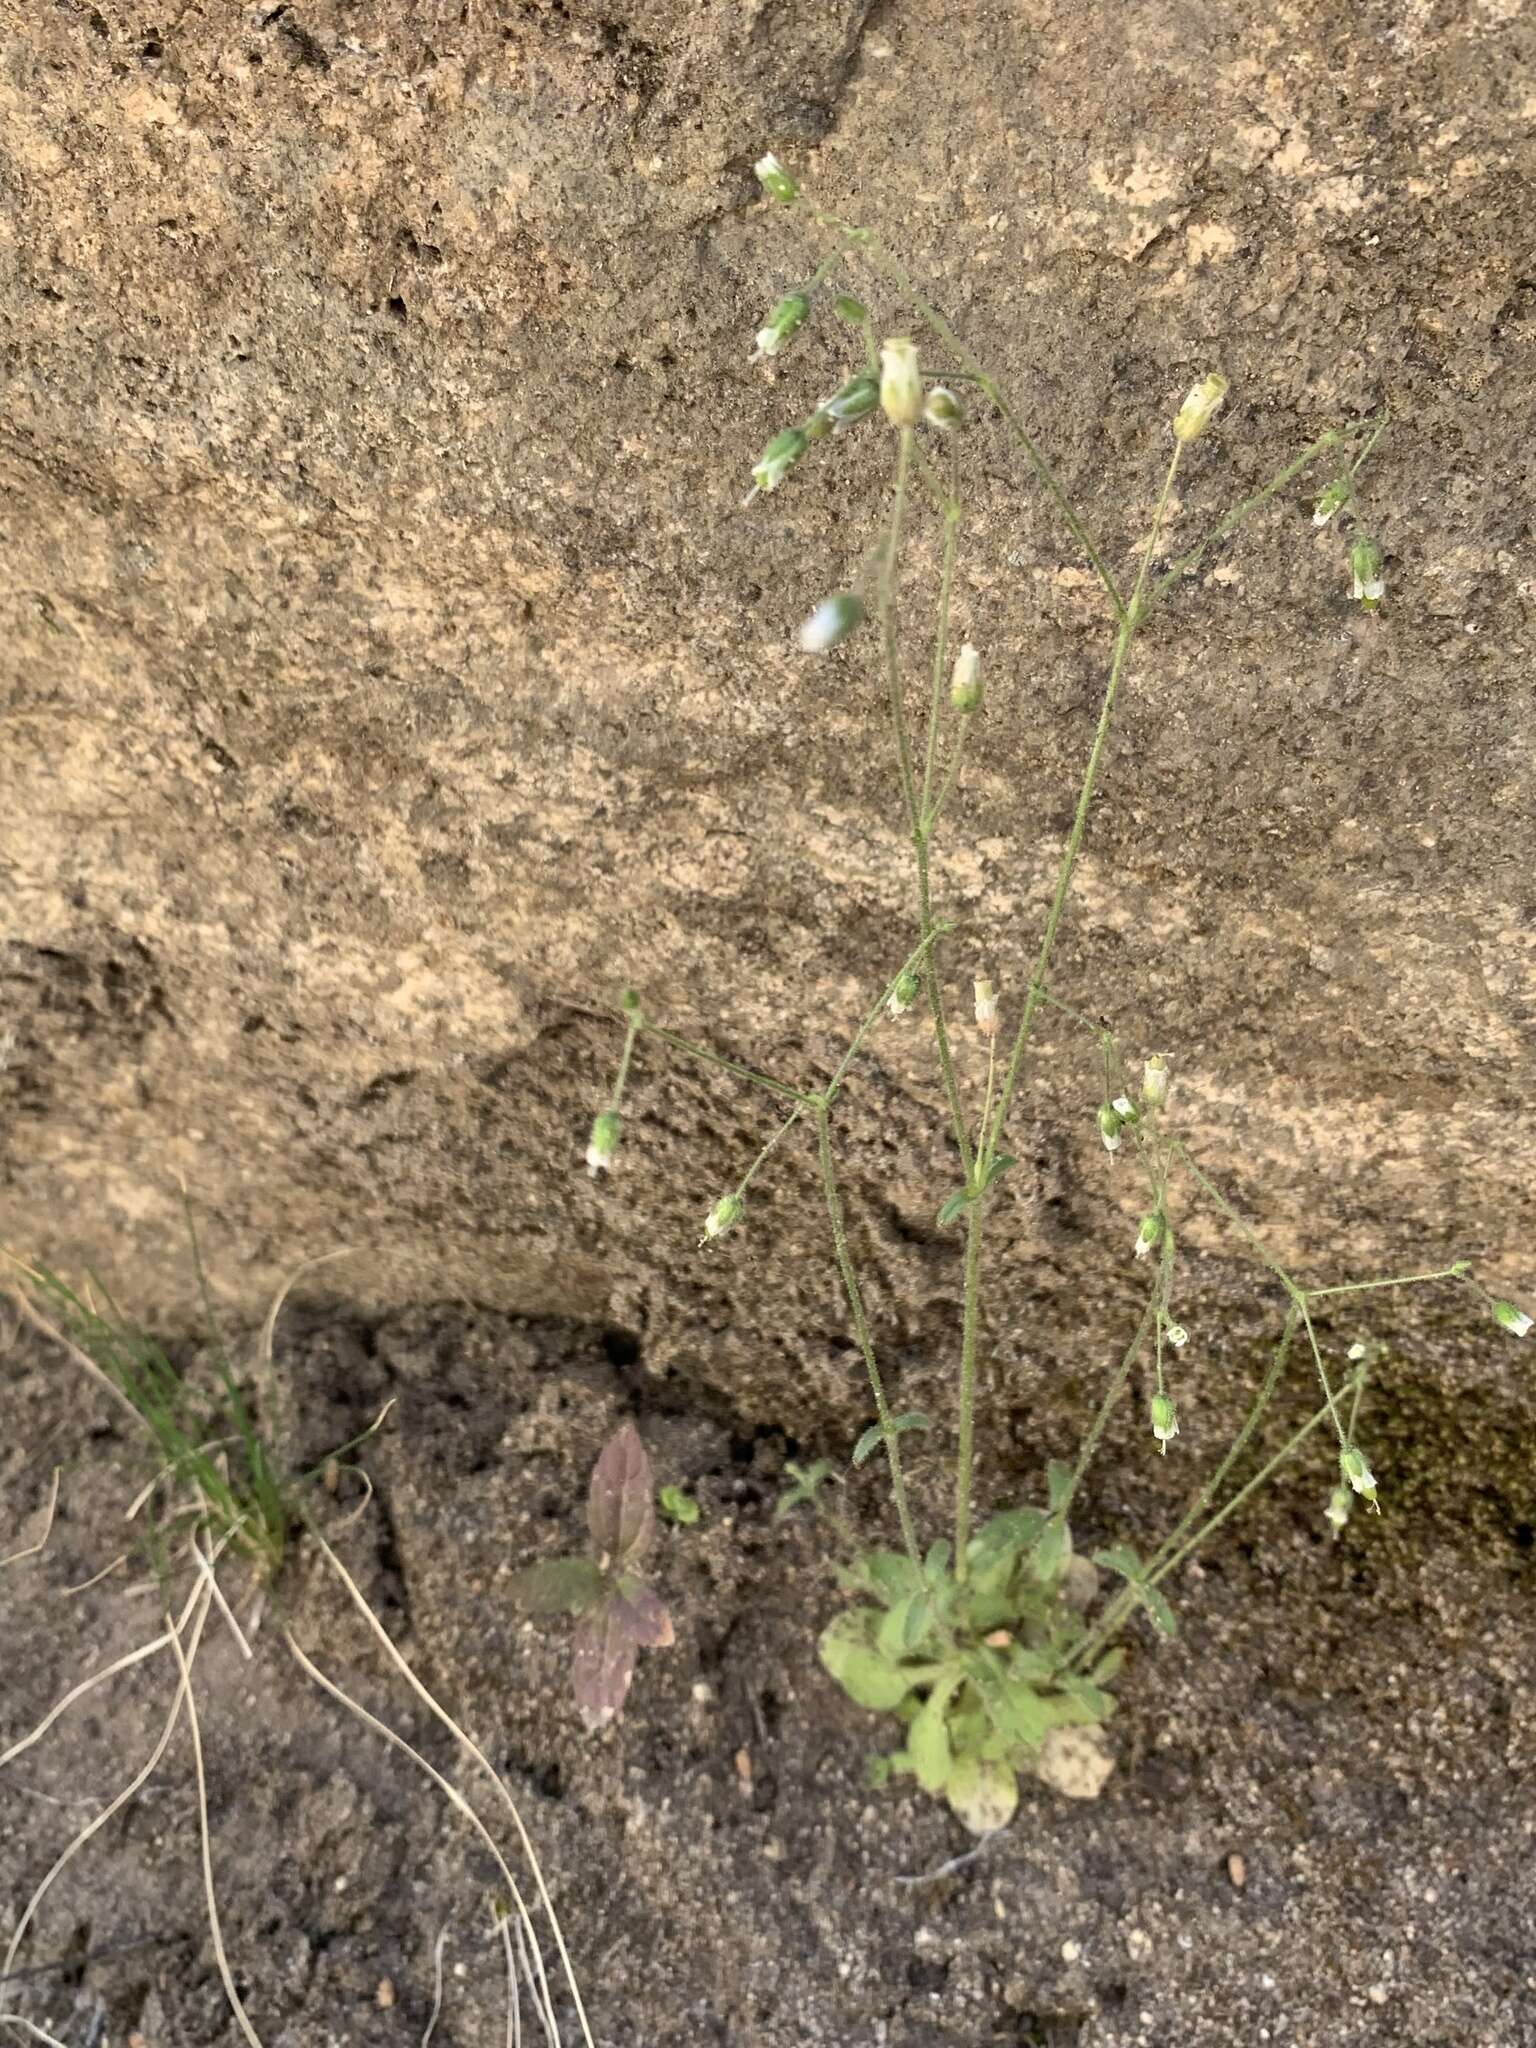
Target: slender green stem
{"x": 715, "y": 1059}
{"x": 951, "y": 775}
{"x": 1373, "y": 1286}
{"x": 935, "y": 995}
{"x": 1322, "y": 1371}
{"x": 940, "y": 657}
{"x": 621, "y": 1080}
{"x": 1219, "y": 1201}
{"x": 866, "y": 1344}
{"x": 886, "y": 604}
{"x": 1377, "y": 430}
{"x": 965, "y": 1454}
{"x": 1115, "y": 1389}
{"x": 767, "y": 1152}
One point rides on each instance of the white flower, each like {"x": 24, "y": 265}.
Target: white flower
{"x": 831, "y": 622}
{"x": 901, "y": 387}
{"x": 986, "y": 1009}
{"x": 1199, "y": 408}
{"x": 1510, "y": 1318}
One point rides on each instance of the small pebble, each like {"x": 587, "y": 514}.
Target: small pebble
{"x": 1377, "y": 1994}
{"x": 1237, "y": 1869}
{"x": 1070, "y": 1951}
{"x": 1139, "y": 1942}
{"x": 385, "y": 1993}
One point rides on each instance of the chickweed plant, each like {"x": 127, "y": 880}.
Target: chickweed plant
{"x": 993, "y": 1648}
{"x": 219, "y": 1520}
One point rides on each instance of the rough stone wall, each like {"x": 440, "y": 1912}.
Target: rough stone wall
{"x": 389, "y": 670}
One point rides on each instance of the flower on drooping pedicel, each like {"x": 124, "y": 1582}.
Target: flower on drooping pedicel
{"x": 1165, "y": 1420}
{"x": 1110, "y": 1123}
{"x": 1150, "y": 1233}
{"x": 941, "y": 408}
{"x": 1341, "y": 1504}
{"x": 831, "y": 622}
{"x": 1199, "y": 408}
{"x": 1155, "y": 1079}
{"x": 775, "y": 180}
{"x": 903, "y": 993}
{"x": 788, "y": 315}
{"x": 1359, "y": 1474}
{"x": 1510, "y": 1318}
{"x": 603, "y": 1143}
{"x": 727, "y": 1210}
{"x": 854, "y": 399}
{"x": 1334, "y": 499}
{"x": 1176, "y": 1335}
{"x": 965, "y": 686}
{"x": 1365, "y": 569}
{"x": 1125, "y": 1109}
{"x": 901, "y": 388}
{"x": 986, "y": 1009}
{"x": 778, "y": 459}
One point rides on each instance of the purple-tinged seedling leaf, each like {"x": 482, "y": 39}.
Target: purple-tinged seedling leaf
{"x": 644, "y": 1614}
{"x": 621, "y": 1514}
{"x": 602, "y": 1663}
{"x": 561, "y": 1585}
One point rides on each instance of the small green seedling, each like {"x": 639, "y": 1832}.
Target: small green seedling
{"x": 618, "y": 1614}
{"x": 979, "y": 1667}
{"x": 678, "y": 1505}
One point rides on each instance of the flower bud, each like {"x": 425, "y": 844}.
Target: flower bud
{"x": 1358, "y": 1474}
{"x": 1355, "y": 1353}
{"x": 1199, "y": 408}
{"x": 831, "y": 622}
{"x": 1165, "y": 1421}
{"x": 630, "y": 1002}
{"x": 901, "y": 388}
{"x": 965, "y": 686}
{"x": 853, "y": 400}
{"x": 1150, "y": 1235}
{"x": 778, "y": 459}
{"x": 1365, "y": 568}
{"x": 603, "y": 1143}
{"x": 1125, "y": 1109}
{"x": 1155, "y": 1079}
{"x": 1341, "y": 1503}
{"x": 903, "y": 994}
{"x": 775, "y": 180}
{"x": 1176, "y": 1335}
{"x": 1333, "y": 500}
{"x": 941, "y": 408}
{"x": 851, "y": 309}
{"x": 1109, "y": 1127}
{"x": 786, "y": 317}
{"x": 986, "y": 1009}
{"x": 1510, "y": 1318}
{"x": 727, "y": 1210}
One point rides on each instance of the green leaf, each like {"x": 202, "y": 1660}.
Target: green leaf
{"x": 955, "y": 1205}
{"x": 874, "y": 1436}
{"x": 1096, "y": 1704}
{"x": 902, "y": 1626}
{"x": 603, "y": 1662}
{"x": 1048, "y": 1558}
{"x": 678, "y": 1506}
{"x": 1000, "y": 1166}
{"x": 1005, "y": 1535}
{"x": 1122, "y": 1559}
{"x": 1107, "y": 1666}
{"x": 889, "y": 1575}
{"x": 1158, "y": 1610}
{"x": 936, "y": 1563}
{"x": 621, "y": 1514}
{"x": 1013, "y": 1707}
{"x": 915, "y": 1627}
{"x": 808, "y": 1482}
{"x": 984, "y": 1795}
{"x": 1058, "y": 1485}
{"x": 1035, "y": 1667}
{"x": 928, "y": 1740}
{"x": 561, "y": 1585}
{"x": 868, "y": 1678}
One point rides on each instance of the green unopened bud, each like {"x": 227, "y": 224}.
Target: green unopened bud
{"x": 1176, "y": 1335}
{"x": 903, "y": 993}
{"x": 965, "y": 685}
{"x": 1358, "y": 1474}
{"x": 901, "y": 387}
{"x": 831, "y": 622}
{"x": 1165, "y": 1421}
{"x": 851, "y": 309}
{"x": 1341, "y": 1505}
{"x": 788, "y": 315}
{"x": 1199, "y": 408}
{"x": 1110, "y": 1122}
{"x": 778, "y": 459}
{"x": 603, "y": 1143}
{"x": 1510, "y": 1318}
{"x": 775, "y": 180}
{"x": 941, "y": 408}
{"x": 1125, "y": 1109}
{"x": 853, "y": 400}
{"x": 630, "y": 1002}
{"x": 727, "y": 1210}
{"x": 1155, "y": 1080}
{"x": 1365, "y": 569}
{"x": 1334, "y": 499}
{"x": 1150, "y": 1234}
